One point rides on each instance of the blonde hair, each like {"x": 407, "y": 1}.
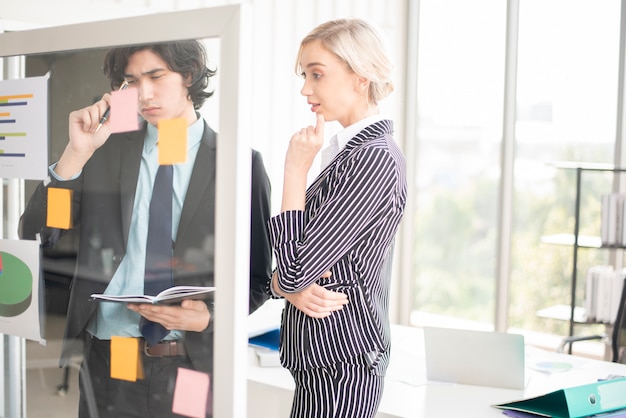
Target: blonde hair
{"x": 357, "y": 44}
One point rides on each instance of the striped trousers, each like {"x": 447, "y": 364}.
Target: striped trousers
{"x": 342, "y": 390}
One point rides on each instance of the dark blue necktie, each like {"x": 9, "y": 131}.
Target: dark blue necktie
{"x": 158, "y": 273}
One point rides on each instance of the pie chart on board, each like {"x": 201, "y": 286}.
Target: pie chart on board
{"x": 16, "y": 285}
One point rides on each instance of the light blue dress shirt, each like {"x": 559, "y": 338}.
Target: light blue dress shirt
{"x": 115, "y": 319}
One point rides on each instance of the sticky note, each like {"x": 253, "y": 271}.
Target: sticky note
{"x": 191, "y": 393}
{"x": 172, "y": 141}
{"x": 124, "y": 105}
{"x": 59, "y": 212}
{"x": 126, "y": 359}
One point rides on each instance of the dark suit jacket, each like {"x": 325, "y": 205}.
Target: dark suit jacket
{"x": 102, "y": 204}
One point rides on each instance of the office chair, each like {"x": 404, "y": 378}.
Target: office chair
{"x": 617, "y": 338}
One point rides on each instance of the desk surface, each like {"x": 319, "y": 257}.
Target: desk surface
{"x": 408, "y": 393}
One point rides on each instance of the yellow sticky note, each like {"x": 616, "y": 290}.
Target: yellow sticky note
{"x": 172, "y": 141}
{"x": 59, "y": 212}
{"x": 124, "y": 105}
{"x": 126, "y": 359}
{"x": 191, "y": 393}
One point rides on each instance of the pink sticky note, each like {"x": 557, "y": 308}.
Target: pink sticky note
{"x": 124, "y": 110}
{"x": 191, "y": 393}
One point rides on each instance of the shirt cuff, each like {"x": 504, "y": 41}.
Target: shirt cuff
{"x": 269, "y": 289}
{"x": 56, "y": 176}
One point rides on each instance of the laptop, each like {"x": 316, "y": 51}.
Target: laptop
{"x": 475, "y": 357}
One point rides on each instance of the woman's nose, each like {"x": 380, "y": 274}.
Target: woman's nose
{"x": 306, "y": 90}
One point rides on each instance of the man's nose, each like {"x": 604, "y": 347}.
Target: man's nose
{"x": 145, "y": 91}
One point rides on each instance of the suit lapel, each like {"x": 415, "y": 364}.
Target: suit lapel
{"x": 131, "y": 150}
{"x": 375, "y": 130}
{"x": 202, "y": 177}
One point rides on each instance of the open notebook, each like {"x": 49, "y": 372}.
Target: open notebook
{"x": 475, "y": 357}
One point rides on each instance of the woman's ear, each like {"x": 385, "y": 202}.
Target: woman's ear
{"x": 362, "y": 84}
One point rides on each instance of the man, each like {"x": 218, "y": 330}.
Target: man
{"x": 112, "y": 177}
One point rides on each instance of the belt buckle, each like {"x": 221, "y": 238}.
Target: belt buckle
{"x": 146, "y": 349}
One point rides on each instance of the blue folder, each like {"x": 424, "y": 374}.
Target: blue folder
{"x": 270, "y": 339}
{"x": 578, "y": 401}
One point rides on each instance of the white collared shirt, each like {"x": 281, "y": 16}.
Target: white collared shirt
{"x": 341, "y": 138}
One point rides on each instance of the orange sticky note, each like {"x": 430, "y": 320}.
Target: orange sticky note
{"x": 126, "y": 359}
{"x": 191, "y": 393}
{"x": 124, "y": 105}
{"x": 172, "y": 141}
{"x": 59, "y": 212}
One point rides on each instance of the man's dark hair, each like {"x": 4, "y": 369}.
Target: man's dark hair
{"x": 188, "y": 58}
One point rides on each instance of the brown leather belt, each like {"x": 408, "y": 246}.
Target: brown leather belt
{"x": 163, "y": 349}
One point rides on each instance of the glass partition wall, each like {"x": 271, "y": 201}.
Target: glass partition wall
{"x": 72, "y": 55}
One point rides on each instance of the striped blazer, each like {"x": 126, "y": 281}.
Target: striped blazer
{"x": 351, "y": 216}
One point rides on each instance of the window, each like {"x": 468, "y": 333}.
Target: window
{"x": 567, "y": 84}
{"x": 566, "y": 110}
{"x": 460, "y": 90}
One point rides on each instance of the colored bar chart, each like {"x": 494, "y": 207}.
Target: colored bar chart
{"x": 5, "y": 117}
{"x": 24, "y": 128}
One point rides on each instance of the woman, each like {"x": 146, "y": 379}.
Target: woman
{"x": 333, "y": 242}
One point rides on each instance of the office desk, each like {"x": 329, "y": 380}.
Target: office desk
{"x": 408, "y": 393}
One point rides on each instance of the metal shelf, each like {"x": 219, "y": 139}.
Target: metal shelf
{"x": 576, "y": 241}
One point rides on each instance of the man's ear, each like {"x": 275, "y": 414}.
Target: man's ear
{"x": 188, "y": 80}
